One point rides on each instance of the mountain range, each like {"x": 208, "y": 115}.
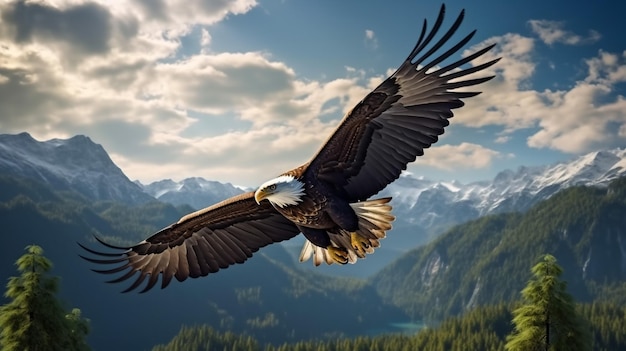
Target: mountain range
{"x": 196, "y": 192}
{"x": 435, "y": 206}
{"x": 424, "y": 208}
{"x": 482, "y": 261}
{"x": 488, "y": 259}
{"x": 77, "y": 164}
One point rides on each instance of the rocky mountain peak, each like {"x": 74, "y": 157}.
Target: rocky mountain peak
{"x": 76, "y": 164}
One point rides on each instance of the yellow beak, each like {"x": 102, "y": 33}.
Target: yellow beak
{"x": 259, "y": 195}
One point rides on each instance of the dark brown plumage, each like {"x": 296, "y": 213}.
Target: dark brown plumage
{"x": 324, "y": 199}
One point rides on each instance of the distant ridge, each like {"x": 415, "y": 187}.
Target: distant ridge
{"x": 196, "y": 192}
{"x": 76, "y": 164}
{"x": 435, "y": 206}
{"x": 485, "y": 261}
{"x": 424, "y": 208}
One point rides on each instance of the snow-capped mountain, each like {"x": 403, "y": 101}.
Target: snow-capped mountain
{"x": 68, "y": 164}
{"x": 434, "y": 206}
{"x": 422, "y": 206}
{"x": 196, "y": 192}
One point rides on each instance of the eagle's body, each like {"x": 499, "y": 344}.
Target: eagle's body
{"x": 325, "y": 199}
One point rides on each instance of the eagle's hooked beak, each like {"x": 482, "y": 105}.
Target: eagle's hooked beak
{"x": 259, "y": 195}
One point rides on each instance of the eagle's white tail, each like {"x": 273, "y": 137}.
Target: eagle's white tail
{"x": 374, "y": 220}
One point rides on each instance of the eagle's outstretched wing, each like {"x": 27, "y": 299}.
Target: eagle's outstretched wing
{"x": 200, "y": 243}
{"x": 394, "y": 123}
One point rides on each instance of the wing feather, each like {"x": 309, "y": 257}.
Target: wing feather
{"x": 403, "y": 116}
{"x": 170, "y": 269}
{"x": 199, "y": 244}
{"x": 182, "y": 267}
{"x": 194, "y": 263}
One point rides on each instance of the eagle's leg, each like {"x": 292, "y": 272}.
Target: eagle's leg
{"x": 338, "y": 254}
{"x": 319, "y": 237}
{"x": 359, "y": 243}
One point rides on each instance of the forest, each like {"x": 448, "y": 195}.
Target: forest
{"x": 484, "y": 328}
{"x": 485, "y": 266}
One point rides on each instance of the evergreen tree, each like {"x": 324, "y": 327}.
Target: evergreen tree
{"x": 78, "y": 330}
{"x": 547, "y": 320}
{"x": 34, "y": 319}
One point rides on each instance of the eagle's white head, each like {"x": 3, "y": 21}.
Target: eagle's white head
{"x": 282, "y": 191}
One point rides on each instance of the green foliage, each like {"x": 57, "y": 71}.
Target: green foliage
{"x": 269, "y": 297}
{"x": 206, "y": 338}
{"x": 34, "y": 319}
{"x": 480, "y": 263}
{"x": 608, "y": 327}
{"x": 119, "y": 222}
{"x": 547, "y": 318}
{"x": 581, "y": 226}
{"x": 484, "y": 328}
{"x": 78, "y": 330}
{"x": 275, "y": 302}
{"x": 479, "y": 329}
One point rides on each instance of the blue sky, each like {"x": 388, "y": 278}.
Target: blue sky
{"x": 240, "y": 91}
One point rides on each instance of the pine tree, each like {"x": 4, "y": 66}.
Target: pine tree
{"x": 78, "y": 330}
{"x": 547, "y": 320}
{"x": 34, "y": 320}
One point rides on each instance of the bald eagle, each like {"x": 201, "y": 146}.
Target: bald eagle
{"x": 326, "y": 199}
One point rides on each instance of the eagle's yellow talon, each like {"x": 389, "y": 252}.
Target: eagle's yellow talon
{"x": 338, "y": 254}
{"x": 359, "y": 244}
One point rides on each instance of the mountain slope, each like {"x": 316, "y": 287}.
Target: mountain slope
{"x": 426, "y": 208}
{"x": 267, "y": 297}
{"x": 76, "y": 164}
{"x": 433, "y": 206}
{"x": 196, "y": 192}
{"x": 423, "y": 208}
{"x": 486, "y": 261}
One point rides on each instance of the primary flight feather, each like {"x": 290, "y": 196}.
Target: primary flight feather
{"x": 325, "y": 199}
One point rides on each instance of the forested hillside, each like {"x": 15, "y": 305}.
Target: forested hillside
{"x": 485, "y": 261}
{"x": 269, "y": 297}
{"x": 272, "y": 299}
{"x": 484, "y": 328}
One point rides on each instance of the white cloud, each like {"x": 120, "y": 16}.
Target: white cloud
{"x": 502, "y": 139}
{"x": 124, "y": 85}
{"x": 577, "y": 120}
{"x": 587, "y": 116}
{"x": 507, "y": 99}
{"x": 454, "y": 157}
{"x": 205, "y": 38}
{"x": 219, "y": 83}
{"x": 136, "y": 99}
{"x": 607, "y": 68}
{"x": 370, "y": 39}
{"x": 551, "y": 32}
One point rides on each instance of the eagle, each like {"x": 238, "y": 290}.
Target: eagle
{"x": 326, "y": 199}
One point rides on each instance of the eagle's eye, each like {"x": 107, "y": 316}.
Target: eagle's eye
{"x": 272, "y": 187}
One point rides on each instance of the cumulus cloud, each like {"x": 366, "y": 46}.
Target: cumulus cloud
{"x": 217, "y": 83}
{"x": 574, "y": 120}
{"x": 607, "y": 68}
{"x": 454, "y": 157}
{"x": 508, "y": 99}
{"x": 124, "y": 83}
{"x": 551, "y": 32}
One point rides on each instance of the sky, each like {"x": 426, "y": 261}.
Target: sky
{"x": 241, "y": 91}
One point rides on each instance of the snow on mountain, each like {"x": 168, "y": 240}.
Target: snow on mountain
{"x": 434, "y": 206}
{"x": 196, "y": 192}
{"x": 422, "y": 206}
{"x": 71, "y": 164}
